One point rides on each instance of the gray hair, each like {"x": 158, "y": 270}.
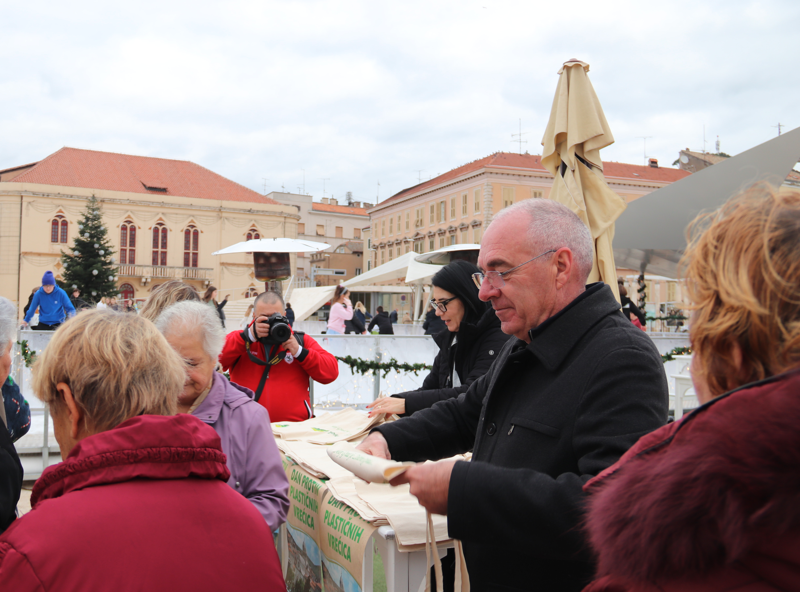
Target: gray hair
{"x": 8, "y": 322}
{"x": 187, "y": 317}
{"x": 554, "y": 225}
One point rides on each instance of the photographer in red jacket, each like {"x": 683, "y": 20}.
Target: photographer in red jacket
{"x": 276, "y": 363}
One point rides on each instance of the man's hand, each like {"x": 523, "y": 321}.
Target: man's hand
{"x": 291, "y": 346}
{"x": 24, "y": 324}
{"x": 375, "y": 445}
{"x": 261, "y": 327}
{"x": 387, "y": 405}
{"x": 430, "y": 483}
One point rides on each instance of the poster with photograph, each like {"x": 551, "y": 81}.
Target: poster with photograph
{"x": 303, "y": 565}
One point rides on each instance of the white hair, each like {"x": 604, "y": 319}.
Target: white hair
{"x": 553, "y": 226}
{"x": 187, "y": 317}
{"x": 8, "y": 322}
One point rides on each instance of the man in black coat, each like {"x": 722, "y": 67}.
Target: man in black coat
{"x": 382, "y": 320}
{"x": 562, "y": 402}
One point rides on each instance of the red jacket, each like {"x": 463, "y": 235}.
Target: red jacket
{"x": 709, "y": 503}
{"x": 144, "y": 506}
{"x": 285, "y": 393}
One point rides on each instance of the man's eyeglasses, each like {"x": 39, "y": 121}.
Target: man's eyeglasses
{"x": 442, "y": 304}
{"x": 496, "y": 278}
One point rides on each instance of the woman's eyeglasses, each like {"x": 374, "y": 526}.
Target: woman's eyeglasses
{"x": 442, "y": 304}
{"x": 496, "y": 278}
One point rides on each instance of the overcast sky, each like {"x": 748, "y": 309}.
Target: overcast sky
{"x": 365, "y": 92}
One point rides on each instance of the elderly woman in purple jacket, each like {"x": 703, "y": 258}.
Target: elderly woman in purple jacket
{"x": 193, "y": 330}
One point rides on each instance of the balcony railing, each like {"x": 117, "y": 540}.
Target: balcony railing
{"x": 167, "y": 272}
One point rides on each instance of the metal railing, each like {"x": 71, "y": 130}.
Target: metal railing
{"x": 167, "y": 272}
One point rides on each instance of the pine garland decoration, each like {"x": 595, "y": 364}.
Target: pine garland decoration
{"x": 26, "y": 353}
{"x": 678, "y": 351}
{"x": 90, "y": 266}
{"x": 363, "y": 366}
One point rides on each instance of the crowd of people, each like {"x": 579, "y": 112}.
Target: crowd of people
{"x": 171, "y": 478}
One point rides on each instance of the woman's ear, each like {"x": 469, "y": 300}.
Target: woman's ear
{"x": 75, "y": 414}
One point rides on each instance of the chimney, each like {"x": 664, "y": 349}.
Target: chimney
{"x": 356, "y": 204}
{"x": 334, "y": 202}
{"x": 654, "y": 163}
{"x": 325, "y": 200}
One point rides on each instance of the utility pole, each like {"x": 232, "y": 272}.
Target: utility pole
{"x": 644, "y": 147}
{"x": 323, "y": 185}
{"x": 519, "y": 137}
{"x": 779, "y": 127}
{"x": 265, "y": 184}
{"x": 419, "y": 175}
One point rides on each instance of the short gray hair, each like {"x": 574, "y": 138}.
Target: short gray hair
{"x": 554, "y": 225}
{"x": 8, "y": 322}
{"x": 187, "y": 317}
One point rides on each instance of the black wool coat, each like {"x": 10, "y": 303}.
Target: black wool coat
{"x": 477, "y": 346}
{"x": 547, "y": 417}
{"x": 384, "y": 324}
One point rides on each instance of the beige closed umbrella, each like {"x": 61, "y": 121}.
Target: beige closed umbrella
{"x": 576, "y": 132}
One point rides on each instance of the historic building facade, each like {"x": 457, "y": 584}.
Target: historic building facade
{"x": 164, "y": 217}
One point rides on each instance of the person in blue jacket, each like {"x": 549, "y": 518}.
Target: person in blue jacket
{"x": 53, "y": 304}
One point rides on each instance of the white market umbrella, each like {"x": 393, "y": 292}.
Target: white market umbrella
{"x": 274, "y": 245}
{"x": 442, "y": 256}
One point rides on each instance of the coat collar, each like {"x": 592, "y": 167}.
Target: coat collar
{"x": 553, "y": 340}
{"x": 209, "y": 410}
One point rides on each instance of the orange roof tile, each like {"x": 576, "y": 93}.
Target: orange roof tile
{"x": 90, "y": 169}
{"x": 321, "y": 207}
{"x": 615, "y": 170}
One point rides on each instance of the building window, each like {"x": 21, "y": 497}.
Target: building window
{"x": 383, "y": 228}
{"x": 391, "y": 254}
{"x": 408, "y": 220}
{"x": 251, "y": 293}
{"x": 672, "y": 291}
{"x": 58, "y": 230}
{"x": 127, "y": 292}
{"x": 320, "y": 230}
{"x": 391, "y": 226}
{"x": 159, "y": 244}
{"x": 383, "y": 256}
{"x": 339, "y": 232}
{"x": 442, "y": 211}
{"x": 453, "y": 239}
{"x": 433, "y": 214}
{"x": 476, "y": 235}
{"x": 358, "y": 271}
{"x": 537, "y": 193}
{"x": 369, "y": 265}
{"x": 418, "y": 246}
{"x": 452, "y": 208}
{"x": 477, "y": 198}
{"x": 508, "y": 196}
{"x": 356, "y": 233}
{"x": 441, "y": 242}
{"x": 253, "y": 234}
{"x": 127, "y": 243}
{"x": 399, "y": 223}
{"x": 369, "y": 243}
{"x": 418, "y": 217}
{"x": 191, "y": 238}
{"x": 464, "y": 200}
{"x": 301, "y": 228}
{"x": 463, "y": 237}
{"x": 431, "y": 245}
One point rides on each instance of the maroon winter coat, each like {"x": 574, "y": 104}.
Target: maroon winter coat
{"x": 144, "y": 506}
{"x": 709, "y": 503}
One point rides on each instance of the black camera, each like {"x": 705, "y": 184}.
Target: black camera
{"x": 279, "y": 330}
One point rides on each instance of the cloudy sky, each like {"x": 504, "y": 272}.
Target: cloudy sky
{"x": 365, "y": 92}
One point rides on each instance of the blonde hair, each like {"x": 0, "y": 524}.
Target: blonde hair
{"x": 117, "y": 365}
{"x": 359, "y": 306}
{"x": 742, "y": 268}
{"x": 165, "y": 295}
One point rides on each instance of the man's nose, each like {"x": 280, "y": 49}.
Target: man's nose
{"x": 487, "y": 291}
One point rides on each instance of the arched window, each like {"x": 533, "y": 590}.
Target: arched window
{"x": 251, "y": 293}
{"x": 126, "y": 291}
{"x": 253, "y": 234}
{"x": 159, "y": 244}
{"x": 58, "y": 229}
{"x": 127, "y": 243}
{"x": 191, "y": 236}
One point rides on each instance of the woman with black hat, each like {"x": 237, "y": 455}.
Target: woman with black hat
{"x": 466, "y": 350}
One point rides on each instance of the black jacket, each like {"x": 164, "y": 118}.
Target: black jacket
{"x": 628, "y": 306}
{"x": 220, "y": 312}
{"x": 544, "y": 419}
{"x": 433, "y": 324}
{"x": 476, "y": 348}
{"x": 354, "y": 325}
{"x": 384, "y": 324}
{"x": 10, "y": 479}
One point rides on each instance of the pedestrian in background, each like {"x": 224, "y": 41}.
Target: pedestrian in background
{"x": 53, "y": 304}
{"x": 210, "y": 298}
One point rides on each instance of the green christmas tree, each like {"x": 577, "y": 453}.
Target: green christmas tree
{"x": 90, "y": 267}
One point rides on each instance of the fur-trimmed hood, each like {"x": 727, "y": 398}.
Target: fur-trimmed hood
{"x": 715, "y": 492}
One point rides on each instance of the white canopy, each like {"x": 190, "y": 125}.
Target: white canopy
{"x": 404, "y": 267}
{"x": 274, "y": 245}
{"x": 442, "y": 256}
